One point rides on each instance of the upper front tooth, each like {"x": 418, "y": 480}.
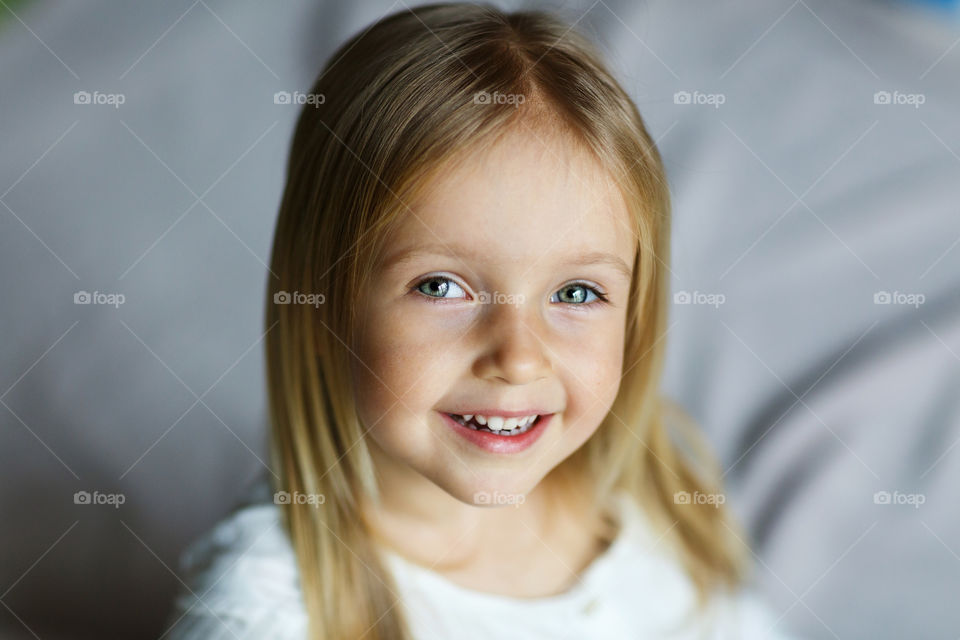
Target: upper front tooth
{"x": 497, "y": 423}
{"x": 494, "y": 423}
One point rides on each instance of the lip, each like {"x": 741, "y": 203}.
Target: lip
{"x": 500, "y": 412}
{"x": 496, "y": 443}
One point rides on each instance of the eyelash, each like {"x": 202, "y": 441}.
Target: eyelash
{"x": 601, "y": 297}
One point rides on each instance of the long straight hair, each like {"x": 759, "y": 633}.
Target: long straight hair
{"x": 400, "y": 101}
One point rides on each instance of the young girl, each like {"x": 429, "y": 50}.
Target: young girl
{"x": 465, "y": 336}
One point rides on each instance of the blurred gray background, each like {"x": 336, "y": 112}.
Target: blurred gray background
{"x": 812, "y": 148}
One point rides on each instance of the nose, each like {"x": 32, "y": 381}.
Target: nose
{"x": 515, "y": 350}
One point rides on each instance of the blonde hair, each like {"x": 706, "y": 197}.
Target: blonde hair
{"x": 399, "y": 102}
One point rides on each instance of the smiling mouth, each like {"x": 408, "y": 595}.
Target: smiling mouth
{"x": 473, "y": 424}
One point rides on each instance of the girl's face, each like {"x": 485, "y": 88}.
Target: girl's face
{"x": 485, "y": 299}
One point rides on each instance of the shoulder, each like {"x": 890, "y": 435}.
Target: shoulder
{"x": 745, "y": 615}
{"x": 239, "y": 579}
{"x": 739, "y": 614}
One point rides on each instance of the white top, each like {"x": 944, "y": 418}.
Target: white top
{"x": 242, "y": 574}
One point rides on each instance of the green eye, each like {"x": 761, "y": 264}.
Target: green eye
{"x": 574, "y": 294}
{"x": 436, "y": 286}
{"x": 579, "y": 293}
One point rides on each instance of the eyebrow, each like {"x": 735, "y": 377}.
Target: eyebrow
{"x": 582, "y": 259}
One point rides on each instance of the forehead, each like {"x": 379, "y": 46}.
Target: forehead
{"x": 525, "y": 197}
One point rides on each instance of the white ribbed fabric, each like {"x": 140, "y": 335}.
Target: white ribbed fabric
{"x": 244, "y": 584}
{"x": 242, "y": 581}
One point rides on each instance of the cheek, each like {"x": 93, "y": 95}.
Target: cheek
{"x": 593, "y": 376}
{"x": 397, "y": 370}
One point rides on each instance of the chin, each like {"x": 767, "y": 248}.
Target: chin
{"x": 492, "y": 489}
